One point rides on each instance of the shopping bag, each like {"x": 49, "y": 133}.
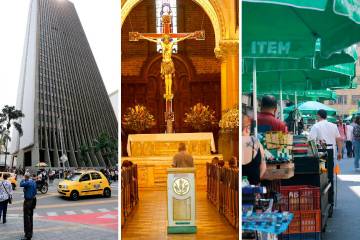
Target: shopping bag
{"x": 337, "y": 170}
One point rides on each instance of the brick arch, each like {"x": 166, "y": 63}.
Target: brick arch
{"x": 214, "y": 13}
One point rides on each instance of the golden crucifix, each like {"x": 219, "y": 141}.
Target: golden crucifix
{"x": 167, "y": 41}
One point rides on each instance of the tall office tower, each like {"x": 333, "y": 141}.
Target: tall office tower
{"x": 61, "y": 92}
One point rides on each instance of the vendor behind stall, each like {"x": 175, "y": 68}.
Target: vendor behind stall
{"x": 266, "y": 118}
{"x": 253, "y": 159}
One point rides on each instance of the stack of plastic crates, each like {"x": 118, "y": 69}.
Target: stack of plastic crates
{"x": 304, "y": 202}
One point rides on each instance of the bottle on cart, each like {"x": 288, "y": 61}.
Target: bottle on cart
{"x": 245, "y": 181}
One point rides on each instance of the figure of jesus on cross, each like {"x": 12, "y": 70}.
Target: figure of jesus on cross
{"x": 167, "y": 41}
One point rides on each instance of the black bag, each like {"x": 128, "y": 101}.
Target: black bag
{"x": 10, "y": 197}
{"x": 356, "y": 132}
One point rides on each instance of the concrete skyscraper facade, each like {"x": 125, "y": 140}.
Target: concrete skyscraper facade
{"x": 61, "y": 91}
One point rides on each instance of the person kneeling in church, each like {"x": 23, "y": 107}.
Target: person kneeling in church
{"x": 183, "y": 159}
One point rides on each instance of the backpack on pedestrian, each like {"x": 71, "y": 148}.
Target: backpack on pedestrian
{"x": 356, "y": 132}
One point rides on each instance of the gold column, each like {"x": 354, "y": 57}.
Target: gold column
{"x": 228, "y": 54}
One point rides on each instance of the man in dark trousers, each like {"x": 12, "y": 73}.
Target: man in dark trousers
{"x": 30, "y": 191}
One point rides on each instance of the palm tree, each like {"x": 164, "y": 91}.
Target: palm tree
{"x": 105, "y": 145}
{"x": 84, "y": 150}
{"x": 8, "y": 118}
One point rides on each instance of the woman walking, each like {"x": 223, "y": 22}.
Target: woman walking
{"x": 356, "y": 137}
{"x": 5, "y": 196}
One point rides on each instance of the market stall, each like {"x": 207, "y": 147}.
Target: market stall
{"x": 305, "y": 52}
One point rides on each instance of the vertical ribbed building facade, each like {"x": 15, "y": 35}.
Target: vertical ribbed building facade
{"x": 61, "y": 91}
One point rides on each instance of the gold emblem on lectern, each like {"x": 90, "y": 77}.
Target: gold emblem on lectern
{"x": 181, "y": 186}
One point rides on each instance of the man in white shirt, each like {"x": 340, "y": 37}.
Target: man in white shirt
{"x": 349, "y": 139}
{"x": 328, "y": 132}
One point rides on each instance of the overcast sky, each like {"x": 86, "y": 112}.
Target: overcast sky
{"x": 100, "y": 20}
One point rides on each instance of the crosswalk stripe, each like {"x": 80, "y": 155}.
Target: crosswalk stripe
{"x": 87, "y": 211}
{"x": 103, "y": 210}
{"x": 13, "y": 215}
{"x": 52, "y": 214}
{"x": 70, "y": 213}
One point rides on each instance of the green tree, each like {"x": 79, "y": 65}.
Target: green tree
{"x": 84, "y": 150}
{"x": 106, "y": 146}
{"x": 9, "y": 117}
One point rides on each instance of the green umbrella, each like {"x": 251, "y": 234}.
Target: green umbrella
{"x": 319, "y": 95}
{"x": 311, "y": 108}
{"x": 338, "y": 76}
{"x": 348, "y": 55}
{"x": 290, "y": 28}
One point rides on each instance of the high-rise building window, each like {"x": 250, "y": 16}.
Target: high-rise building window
{"x": 341, "y": 99}
{"x": 166, "y": 6}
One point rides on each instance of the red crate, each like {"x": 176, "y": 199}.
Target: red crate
{"x": 305, "y": 222}
{"x": 299, "y": 198}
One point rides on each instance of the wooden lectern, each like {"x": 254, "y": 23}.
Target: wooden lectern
{"x": 181, "y": 200}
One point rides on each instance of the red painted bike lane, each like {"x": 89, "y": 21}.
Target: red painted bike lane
{"x": 103, "y": 219}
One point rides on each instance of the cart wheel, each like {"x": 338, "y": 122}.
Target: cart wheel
{"x": 331, "y": 210}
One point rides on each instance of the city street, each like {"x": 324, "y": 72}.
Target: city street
{"x": 58, "y": 218}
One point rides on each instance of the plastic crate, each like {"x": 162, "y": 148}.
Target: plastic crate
{"x": 305, "y": 222}
{"x": 299, "y": 198}
{"x": 301, "y": 236}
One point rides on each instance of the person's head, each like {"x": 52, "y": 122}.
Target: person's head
{"x": 357, "y": 120}
{"x": 182, "y": 147}
{"x": 215, "y": 160}
{"x": 322, "y": 114}
{"x": 232, "y": 162}
{"x": 166, "y": 38}
{"x": 221, "y": 163}
{"x": 6, "y": 176}
{"x": 269, "y": 104}
{"x": 246, "y": 125}
{"x": 27, "y": 176}
{"x": 339, "y": 120}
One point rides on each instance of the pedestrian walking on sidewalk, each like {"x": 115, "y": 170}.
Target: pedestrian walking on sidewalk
{"x": 356, "y": 135}
{"x": 5, "y": 196}
{"x": 29, "y": 186}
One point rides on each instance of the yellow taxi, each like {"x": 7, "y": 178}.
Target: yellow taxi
{"x": 12, "y": 178}
{"x": 85, "y": 183}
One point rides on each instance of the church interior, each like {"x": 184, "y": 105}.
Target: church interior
{"x": 204, "y": 88}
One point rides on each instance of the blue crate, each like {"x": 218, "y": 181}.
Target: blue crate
{"x": 301, "y": 236}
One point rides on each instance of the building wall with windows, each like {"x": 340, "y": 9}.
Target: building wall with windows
{"x": 61, "y": 91}
{"x": 346, "y": 102}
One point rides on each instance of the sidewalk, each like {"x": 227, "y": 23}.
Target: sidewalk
{"x": 344, "y": 223}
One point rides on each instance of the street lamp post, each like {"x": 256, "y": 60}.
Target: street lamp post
{"x": 63, "y": 159}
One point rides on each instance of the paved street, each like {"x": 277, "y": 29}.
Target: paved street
{"x": 91, "y": 218}
{"x": 344, "y": 223}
